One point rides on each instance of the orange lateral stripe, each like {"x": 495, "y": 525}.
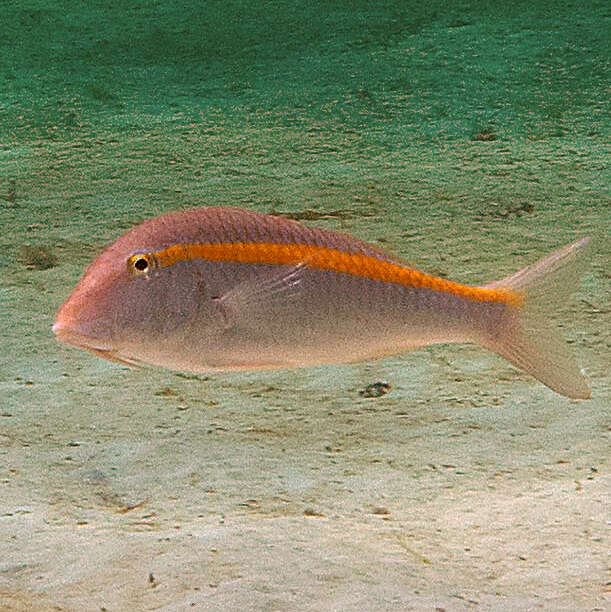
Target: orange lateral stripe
{"x": 326, "y": 258}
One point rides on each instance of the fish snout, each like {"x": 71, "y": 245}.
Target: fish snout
{"x": 78, "y": 324}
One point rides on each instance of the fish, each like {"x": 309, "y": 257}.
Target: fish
{"x": 222, "y": 288}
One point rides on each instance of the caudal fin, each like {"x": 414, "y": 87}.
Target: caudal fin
{"x": 526, "y": 337}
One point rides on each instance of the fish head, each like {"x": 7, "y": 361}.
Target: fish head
{"x": 127, "y": 308}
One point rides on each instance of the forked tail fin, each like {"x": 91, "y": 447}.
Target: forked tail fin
{"x": 524, "y": 335}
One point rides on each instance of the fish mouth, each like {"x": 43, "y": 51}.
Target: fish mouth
{"x": 69, "y": 335}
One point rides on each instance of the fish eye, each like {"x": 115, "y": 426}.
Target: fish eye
{"x": 140, "y": 263}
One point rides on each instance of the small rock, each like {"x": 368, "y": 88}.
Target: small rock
{"x": 376, "y": 389}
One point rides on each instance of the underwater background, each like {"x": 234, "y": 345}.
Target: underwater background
{"x": 470, "y": 138}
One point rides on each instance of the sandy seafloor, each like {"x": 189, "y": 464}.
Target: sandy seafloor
{"x": 468, "y": 486}
{"x": 471, "y": 145}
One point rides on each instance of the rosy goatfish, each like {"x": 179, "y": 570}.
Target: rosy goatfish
{"x": 228, "y": 289}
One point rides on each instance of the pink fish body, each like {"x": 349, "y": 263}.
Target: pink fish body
{"x": 224, "y": 288}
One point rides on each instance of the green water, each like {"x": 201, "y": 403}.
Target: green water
{"x": 398, "y": 70}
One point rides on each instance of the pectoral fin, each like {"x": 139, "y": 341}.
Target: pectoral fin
{"x": 252, "y": 302}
